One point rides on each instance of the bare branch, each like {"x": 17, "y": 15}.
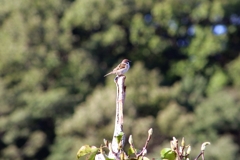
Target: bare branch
{"x": 121, "y": 92}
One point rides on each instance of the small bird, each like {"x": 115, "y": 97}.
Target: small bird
{"x": 122, "y": 68}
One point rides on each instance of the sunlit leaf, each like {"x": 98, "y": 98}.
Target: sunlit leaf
{"x": 168, "y": 154}
{"x": 131, "y": 150}
{"x": 119, "y": 137}
{"x": 84, "y": 150}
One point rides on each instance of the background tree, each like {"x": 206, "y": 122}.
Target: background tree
{"x": 184, "y": 79}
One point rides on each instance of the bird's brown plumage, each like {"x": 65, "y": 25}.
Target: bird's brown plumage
{"x": 121, "y": 68}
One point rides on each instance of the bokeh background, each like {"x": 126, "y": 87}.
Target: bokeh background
{"x": 184, "y": 79}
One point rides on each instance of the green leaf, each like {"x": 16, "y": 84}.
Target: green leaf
{"x": 84, "y": 150}
{"x": 92, "y": 155}
{"x": 119, "y": 137}
{"x": 145, "y": 158}
{"x": 168, "y": 154}
{"x": 131, "y": 150}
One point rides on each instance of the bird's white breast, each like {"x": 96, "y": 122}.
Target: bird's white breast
{"x": 122, "y": 71}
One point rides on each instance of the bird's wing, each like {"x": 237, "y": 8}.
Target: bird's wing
{"x": 119, "y": 67}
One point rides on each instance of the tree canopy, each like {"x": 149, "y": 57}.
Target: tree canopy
{"x": 183, "y": 81}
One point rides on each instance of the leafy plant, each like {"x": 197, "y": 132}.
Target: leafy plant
{"x": 115, "y": 150}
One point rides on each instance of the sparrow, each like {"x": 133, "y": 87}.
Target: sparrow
{"x": 122, "y": 68}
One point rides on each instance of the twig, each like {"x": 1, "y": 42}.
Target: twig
{"x": 144, "y": 150}
{"x": 199, "y": 155}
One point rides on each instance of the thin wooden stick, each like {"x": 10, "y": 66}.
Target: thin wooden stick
{"x": 118, "y": 130}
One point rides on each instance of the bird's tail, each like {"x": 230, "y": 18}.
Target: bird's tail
{"x": 108, "y": 74}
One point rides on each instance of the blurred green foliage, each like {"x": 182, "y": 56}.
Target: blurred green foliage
{"x": 184, "y": 79}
